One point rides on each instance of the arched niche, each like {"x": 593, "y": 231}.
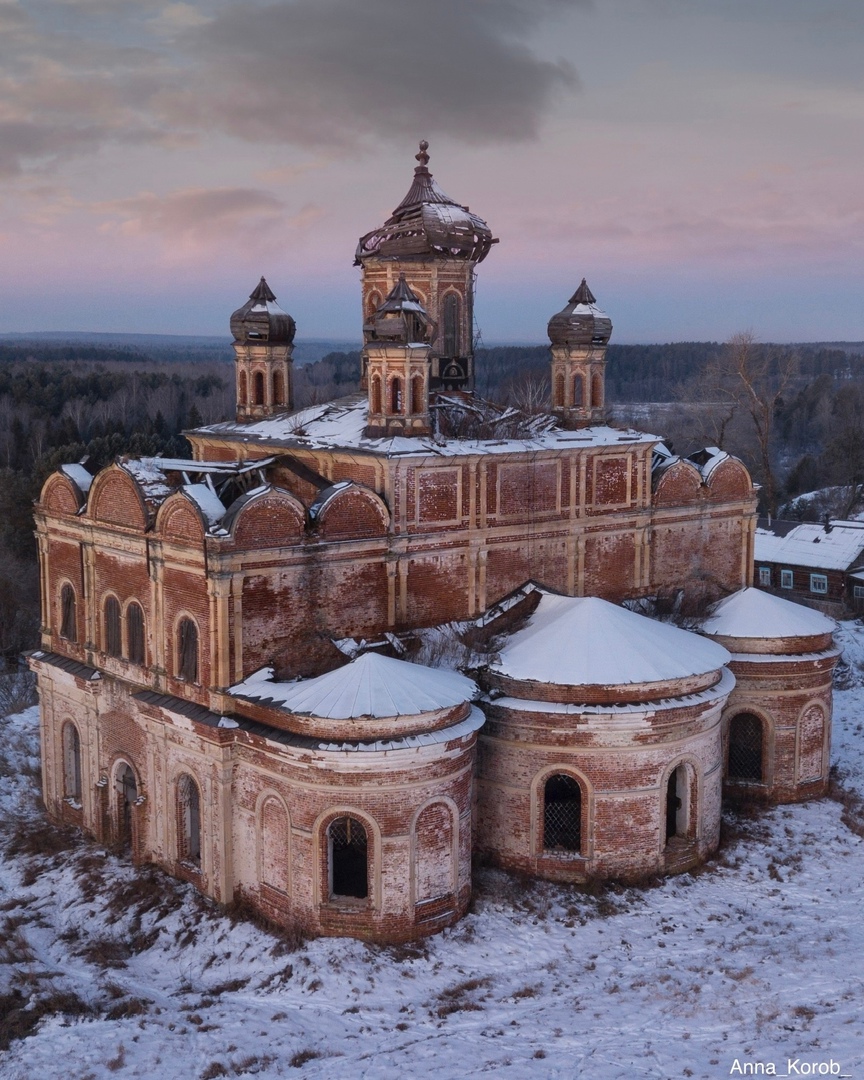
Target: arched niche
{"x": 351, "y": 512}
{"x": 116, "y": 499}
{"x": 61, "y": 495}
{"x": 180, "y": 518}
{"x": 679, "y": 484}
{"x": 271, "y": 518}
{"x": 729, "y": 480}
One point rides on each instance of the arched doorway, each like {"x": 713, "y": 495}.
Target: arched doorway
{"x": 127, "y": 796}
{"x": 562, "y": 814}
{"x": 349, "y": 858}
{"x": 677, "y": 804}
{"x": 745, "y": 758}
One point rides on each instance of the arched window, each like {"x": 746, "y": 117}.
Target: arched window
{"x": 372, "y": 304}
{"x": 434, "y": 869}
{"x": 278, "y": 388}
{"x": 417, "y": 403}
{"x": 349, "y": 860}
{"x": 127, "y": 795}
{"x": 187, "y": 651}
{"x": 597, "y": 390}
{"x": 135, "y": 633}
{"x": 678, "y": 804}
{"x": 68, "y": 617}
{"x": 396, "y": 396}
{"x": 376, "y": 394}
{"x": 258, "y": 383}
{"x": 578, "y": 391}
{"x": 562, "y": 814}
{"x": 188, "y": 821}
{"x": 111, "y": 627}
{"x": 450, "y": 325}
{"x": 274, "y": 840}
{"x": 71, "y": 762}
{"x": 241, "y": 389}
{"x": 559, "y": 390}
{"x": 745, "y": 748}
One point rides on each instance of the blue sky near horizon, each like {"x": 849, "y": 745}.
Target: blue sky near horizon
{"x": 699, "y": 163}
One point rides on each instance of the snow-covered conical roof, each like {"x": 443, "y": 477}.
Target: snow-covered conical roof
{"x": 372, "y": 685}
{"x": 752, "y": 613}
{"x": 585, "y": 641}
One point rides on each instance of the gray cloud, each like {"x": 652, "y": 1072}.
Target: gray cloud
{"x": 333, "y": 72}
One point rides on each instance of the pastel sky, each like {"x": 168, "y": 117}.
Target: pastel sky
{"x": 701, "y": 162}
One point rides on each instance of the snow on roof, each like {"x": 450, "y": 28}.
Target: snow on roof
{"x": 341, "y": 424}
{"x": 207, "y": 501}
{"x": 371, "y": 685}
{"x": 752, "y": 613}
{"x": 79, "y": 476}
{"x": 148, "y": 474}
{"x": 810, "y": 545}
{"x": 585, "y": 641}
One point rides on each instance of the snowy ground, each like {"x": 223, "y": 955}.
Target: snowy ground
{"x": 758, "y": 958}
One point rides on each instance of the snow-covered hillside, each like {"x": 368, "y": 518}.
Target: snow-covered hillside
{"x": 757, "y": 958}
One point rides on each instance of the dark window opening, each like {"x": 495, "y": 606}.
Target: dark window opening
{"x": 135, "y": 633}
{"x": 71, "y": 763}
{"x": 675, "y": 793}
{"x": 188, "y": 651}
{"x": 278, "y": 388}
{"x": 349, "y": 861}
{"x": 597, "y": 391}
{"x": 376, "y": 394}
{"x": 417, "y": 396}
{"x": 189, "y": 821}
{"x": 127, "y": 791}
{"x": 578, "y": 395}
{"x": 68, "y": 620}
{"x": 112, "y": 640}
{"x": 562, "y": 814}
{"x": 396, "y": 396}
{"x": 745, "y": 747}
{"x": 241, "y": 389}
{"x": 559, "y": 390}
{"x": 258, "y": 383}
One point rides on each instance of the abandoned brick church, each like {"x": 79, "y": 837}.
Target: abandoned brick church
{"x": 344, "y": 649}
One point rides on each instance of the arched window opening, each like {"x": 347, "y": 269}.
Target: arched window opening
{"x": 258, "y": 383}
{"x": 111, "y": 627}
{"x": 349, "y": 859}
{"x": 127, "y": 795}
{"x": 597, "y": 391}
{"x": 187, "y": 658}
{"x": 562, "y": 814}
{"x": 745, "y": 748}
{"x": 450, "y": 327}
{"x": 417, "y": 403}
{"x": 274, "y": 838}
{"x": 434, "y": 866}
{"x": 372, "y": 304}
{"x": 278, "y": 388}
{"x": 241, "y": 389}
{"x": 68, "y": 618}
{"x": 676, "y": 804}
{"x": 135, "y": 633}
{"x": 559, "y": 390}
{"x": 71, "y": 763}
{"x": 376, "y": 394}
{"x": 396, "y": 396}
{"x": 188, "y": 821}
{"x": 578, "y": 391}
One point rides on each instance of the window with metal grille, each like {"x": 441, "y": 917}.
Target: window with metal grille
{"x": 450, "y": 335}
{"x": 562, "y": 814}
{"x": 135, "y": 633}
{"x": 71, "y": 762}
{"x": 786, "y": 579}
{"x": 111, "y": 626}
{"x": 188, "y": 821}
{"x": 187, "y": 666}
{"x": 349, "y": 860}
{"x": 745, "y": 747}
{"x": 818, "y": 583}
{"x": 765, "y": 575}
{"x": 68, "y": 620}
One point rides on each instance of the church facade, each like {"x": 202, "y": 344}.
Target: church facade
{"x": 225, "y": 673}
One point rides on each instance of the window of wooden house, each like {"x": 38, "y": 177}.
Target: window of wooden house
{"x": 187, "y": 651}
{"x": 765, "y": 576}
{"x": 135, "y": 633}
{"x": 818, "y": 583}
{"x": 111, "y": 627}
{"x": 787, "y": 580}
{"x": 745, "y": 748}
{"x": 349, "y": 858}
{"x": 71, "y": 762}
{"x": 188, "y": 821}
{"x": 562, "y": 814}
{"x": 68, "y": 617}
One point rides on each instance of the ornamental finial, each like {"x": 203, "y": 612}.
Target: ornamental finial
{"x": 423, "y": 157}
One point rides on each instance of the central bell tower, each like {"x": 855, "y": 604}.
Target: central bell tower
{"x": 437, "y": 244}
